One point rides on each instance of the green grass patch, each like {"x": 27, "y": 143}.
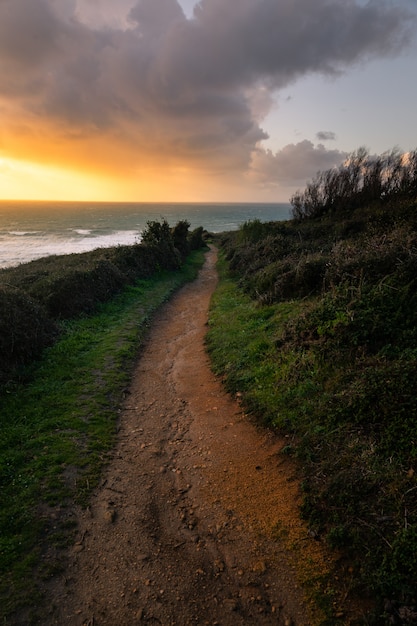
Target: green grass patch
{"x": 58, "y": 427}
{"x": 241, "y": 342}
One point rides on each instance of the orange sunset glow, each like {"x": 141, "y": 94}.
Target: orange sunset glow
{"x": 88, "y": 164}
{"x": 167, "y": 100}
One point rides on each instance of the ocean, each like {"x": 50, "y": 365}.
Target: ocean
{"x": 30, "y": 230}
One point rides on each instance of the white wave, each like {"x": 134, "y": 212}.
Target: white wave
{"x": 23, "y": 233}
{"x": 82, "y": 231}
{"x": 30, "y": 231}
{"x": 12, "y": 253}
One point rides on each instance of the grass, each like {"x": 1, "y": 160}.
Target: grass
{"x": 241, "y": 343}
{"x": 299, "y": 365}
{"x": 58, "y": 426}
{"x": 36, "y": 296}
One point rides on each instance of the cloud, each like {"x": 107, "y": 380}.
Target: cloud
{"x": 101, "y": 14}
{"x": 160, "y": 86}
{"x": 294, "y": 164}
{"x": 326, "y": 135}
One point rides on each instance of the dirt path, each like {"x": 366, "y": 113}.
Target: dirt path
{"x": 184, "y": 528}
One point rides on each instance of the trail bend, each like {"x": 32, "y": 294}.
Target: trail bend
{"x": 184, "y": 528}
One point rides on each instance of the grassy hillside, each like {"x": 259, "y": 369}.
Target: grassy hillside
{"x": 315, "y": 325}
{"x": 59, "y": 411}
{"x": 36, "y": 297}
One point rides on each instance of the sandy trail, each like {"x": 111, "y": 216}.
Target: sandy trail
{"x": 184, "y": 527}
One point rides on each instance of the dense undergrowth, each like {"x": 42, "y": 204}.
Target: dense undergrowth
{"x": 36, "y": 296}
{"x": 58, "y": 417}
{"x": 315, "y": 324}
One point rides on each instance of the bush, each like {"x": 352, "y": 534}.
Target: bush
{"x": 157, "y": 237}
{"x": 79, "y": 291}
{"x": 134, "y": 261}
{"x": 361, "y": 180}
{"x": 196, "y": 239}
{"x": 34, "y": 294}
{"x": 25, "y": 330}
{"x": 180, "y": 237}
{"x": 253, "y": 231}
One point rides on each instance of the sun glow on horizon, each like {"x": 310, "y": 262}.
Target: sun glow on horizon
{"x": 26, "y": 180}
{"x": 178, "y": 101}
{"x": 22, "y": 179}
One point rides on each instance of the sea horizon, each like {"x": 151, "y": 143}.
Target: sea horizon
{"x": 35, "y": 229}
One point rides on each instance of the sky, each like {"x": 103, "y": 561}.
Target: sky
{"x": 210, "y": 101}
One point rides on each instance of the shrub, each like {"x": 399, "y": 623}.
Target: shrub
{"x": 25, "y": 330}
{"x": 196, "y": 239}
{"x": 361, "y": 180}
{"x": 158, "y": 238}
{"x": 135, "y": 261}
{"x": 253, "y": 231}
{"x": 180, "y": 237}
{"x": 79, "y": 291}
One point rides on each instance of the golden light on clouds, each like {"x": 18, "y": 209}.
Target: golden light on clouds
{"x": 138, "y": 102}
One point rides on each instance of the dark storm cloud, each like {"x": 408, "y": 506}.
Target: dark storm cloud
{"x": 326, "y": 135}
{"x": 154, "y": 19}
{"x": 277, "y": 41}
{"x": 28, "y": 33}
{"x": 167, "y": 84}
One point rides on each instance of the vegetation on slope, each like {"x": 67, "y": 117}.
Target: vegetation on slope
{"x": 36, "y": 296}
{"x": 323, "y": 314}
{"x": 58, "y": 420}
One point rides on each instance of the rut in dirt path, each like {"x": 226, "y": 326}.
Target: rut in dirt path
{"x": 183, "y": 529}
